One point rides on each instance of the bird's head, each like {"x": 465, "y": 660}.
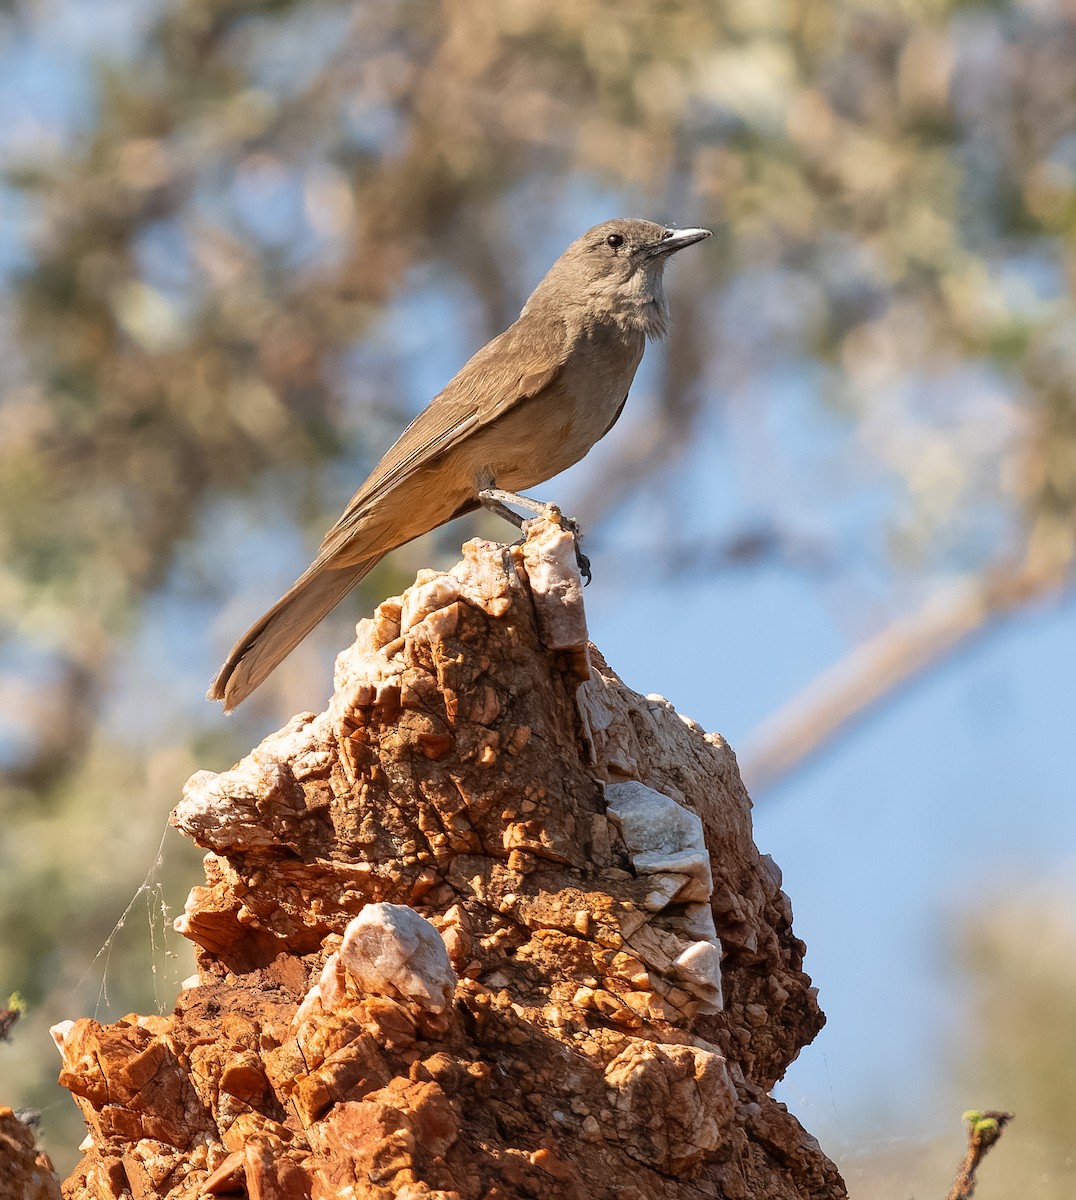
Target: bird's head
{"x": 613, "y": 273}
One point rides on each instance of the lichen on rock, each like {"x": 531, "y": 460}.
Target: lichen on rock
{"x": 492, "y": 925}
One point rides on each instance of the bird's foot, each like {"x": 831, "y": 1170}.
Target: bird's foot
{"x": 551, "y": 512}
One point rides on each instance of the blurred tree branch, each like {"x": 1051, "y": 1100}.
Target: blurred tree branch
{"x": 874, "y": 673}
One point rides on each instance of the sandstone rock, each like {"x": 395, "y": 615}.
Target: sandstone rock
{"x": 465, "y": 935}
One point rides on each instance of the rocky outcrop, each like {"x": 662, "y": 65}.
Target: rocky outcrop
{"x": 491, "y": 926}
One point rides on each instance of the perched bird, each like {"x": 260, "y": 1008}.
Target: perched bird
{"x": 528, "y": 405}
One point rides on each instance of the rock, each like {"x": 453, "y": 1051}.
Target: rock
{"x": 549, "y": 558}
{"x": 672, "y": 1104}
{"x": 663, "y": 838}
{"x": 25, "y": 1171}
{"x": 388, "y": 949}
{"x": 464, "y": 936}
{"x": 667, "y": 848}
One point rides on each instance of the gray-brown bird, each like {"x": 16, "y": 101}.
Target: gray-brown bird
{"x": 524, "y": 408}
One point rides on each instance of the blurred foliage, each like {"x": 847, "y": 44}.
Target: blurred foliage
{"x": 208, "y": 247}
{"x": 895, "y": 187}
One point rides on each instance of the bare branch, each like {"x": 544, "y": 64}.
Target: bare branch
{"x": 984, "y": 1129}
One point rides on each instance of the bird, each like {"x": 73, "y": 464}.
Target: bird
{"x": 528, "y": 405}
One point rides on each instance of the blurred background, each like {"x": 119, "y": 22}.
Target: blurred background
{"x": 242, "y": 242}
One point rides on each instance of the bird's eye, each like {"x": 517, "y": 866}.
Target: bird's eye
{"x": 614, "y": 240}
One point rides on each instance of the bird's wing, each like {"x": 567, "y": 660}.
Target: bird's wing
{"x": 514, "y": 366}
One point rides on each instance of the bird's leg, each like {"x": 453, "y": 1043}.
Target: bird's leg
{"x": 494, "y": 499}
{"x": 497, "y": 501}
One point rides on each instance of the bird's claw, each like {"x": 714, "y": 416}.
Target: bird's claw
{"x": 572, "y": 526}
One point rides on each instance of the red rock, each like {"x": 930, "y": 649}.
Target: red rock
{"x": 25, "y": 1172}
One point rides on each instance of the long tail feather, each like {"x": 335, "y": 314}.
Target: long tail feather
{"x": 273, "y": 636}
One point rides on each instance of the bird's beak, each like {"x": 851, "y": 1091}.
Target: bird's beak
{"x": 677, "y": 239}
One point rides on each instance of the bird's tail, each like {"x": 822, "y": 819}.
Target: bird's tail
{"x": 276, "y": 634}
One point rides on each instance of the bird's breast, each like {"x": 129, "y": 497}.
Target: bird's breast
{"x": 550, "y": 431}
